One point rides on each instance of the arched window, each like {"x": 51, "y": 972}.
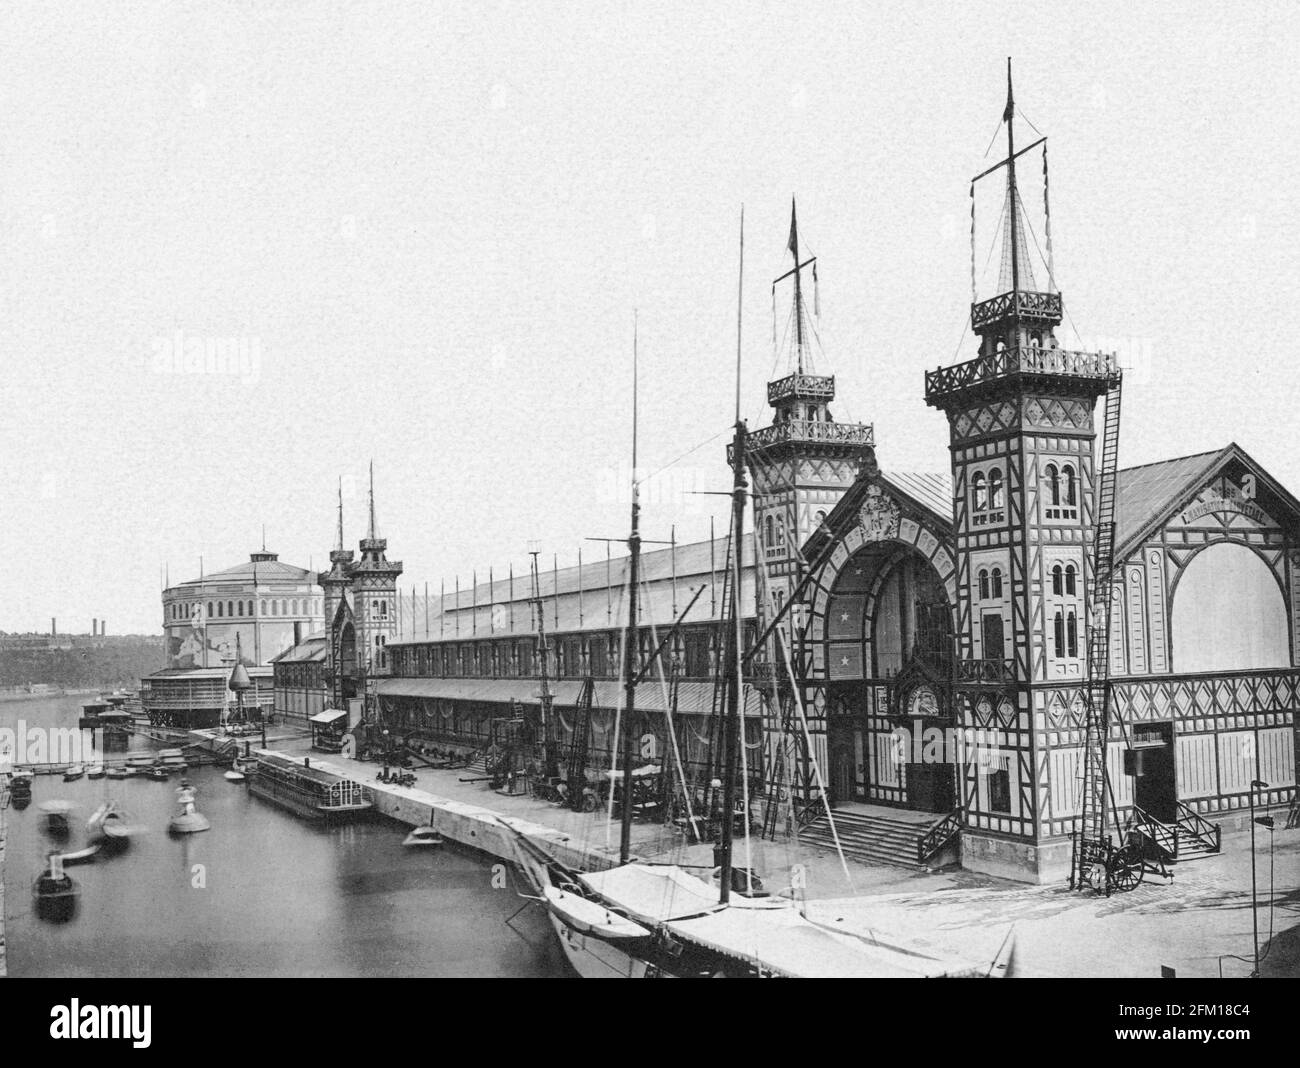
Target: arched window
{"x": 1053, "y": 484}
{"x": 221, "y": 608}
{"x": 1056, "y": 579}
{"x": 263, "y": 606}
{"x": 1058, "y": 635}
{"x": 981, "y": 493}
{"x": 997, "y": 582}
{"x": 230, "y": 608}
{"x": 819, "y": 520}
{"x": 1068, "y": 473}
{"x": 780, "y": 599}
{"x": 995, "y": 488}
{"x": 1072, "y": 634}
{"x": 780, "y": 532}
{"x": 1069, "y": 578}
{"x": 984, "y": 584}
{"x": 768, "y": 537}
{"x": 240, "y": 605}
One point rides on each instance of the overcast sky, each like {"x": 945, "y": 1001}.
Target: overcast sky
{"x": 426, "y": 228}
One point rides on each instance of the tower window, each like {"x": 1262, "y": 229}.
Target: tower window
{"x": 1053, "y": 485}
{"x": 1068, "y": 473}
{"x": 995, "y": 488}
{"x": 1069, "y": 578}
{"x": 1072, "y": 634}
{"x": 820, "y": 520}
{"x": 1056, "y": 580}
{"x": 997, "y": 582}
{"x": 980, "y": 492}
{"x": 1058, "y": 635}
{"x": 780, "y": 532}
{"x": 984, "y": 584}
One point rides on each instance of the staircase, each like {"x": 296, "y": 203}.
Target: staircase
{"x": 1192, "y": 846}
{"x": 872, "y": 838}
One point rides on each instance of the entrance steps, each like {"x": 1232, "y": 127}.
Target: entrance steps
{"x": 873, "y": 834}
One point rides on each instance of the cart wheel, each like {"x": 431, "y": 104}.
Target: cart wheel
{"x": 1095, "y": 875}
{"x": 1127, "y": 870}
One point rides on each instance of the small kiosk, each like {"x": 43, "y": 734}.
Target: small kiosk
{"x": 327, "y": 729}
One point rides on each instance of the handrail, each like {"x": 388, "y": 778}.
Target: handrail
{"x": 1031, "y": 359}
{"x": 1162, "y": 835}
{"x": 938, "y": 836}
{"x": 1199, "y": 827}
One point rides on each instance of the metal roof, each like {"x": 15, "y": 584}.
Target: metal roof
{"x": 1142, "y": 493}
{"x": 929, "y": 488}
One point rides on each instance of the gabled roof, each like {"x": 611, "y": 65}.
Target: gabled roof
{"x": 313, "y": 649}
{"x": 930, "y": 492}
{"x": 1147, "y": 496}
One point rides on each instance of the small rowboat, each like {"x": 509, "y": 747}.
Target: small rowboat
{"x": 116, "y": 771}
{"x": 73, "y": 772}
{"x": 96, "y": 771}
{"x": 423, "y": 836}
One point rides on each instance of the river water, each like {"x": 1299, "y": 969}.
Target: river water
{"x": 263, "y": 893}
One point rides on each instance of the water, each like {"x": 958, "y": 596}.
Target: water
{"x": 263, "y": 893}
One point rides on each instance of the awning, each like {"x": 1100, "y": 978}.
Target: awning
{"x": 330, "y": 715}
{"x": 784, "y": 942}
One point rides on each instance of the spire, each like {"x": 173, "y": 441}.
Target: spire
{"x": 340, "y": 544}
{"x": 372, "y": 500}
{"x": 1015, "y": 253}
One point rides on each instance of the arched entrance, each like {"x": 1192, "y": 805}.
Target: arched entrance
{"x": 889, "y": 656}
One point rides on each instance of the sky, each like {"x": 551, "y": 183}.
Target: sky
{"x": 419, "y": 234}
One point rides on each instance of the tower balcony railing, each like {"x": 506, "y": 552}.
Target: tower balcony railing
{"x": 1025, "y": 360}
{"x": 811, "y": 432}
{"x": 811, "y": 387}
{"x": 1028, "y": 305}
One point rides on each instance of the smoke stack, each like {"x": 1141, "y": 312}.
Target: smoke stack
{"x": 94, "y": 627}
{"x": 103, "y": 627}
{"x": 54, "y": 627}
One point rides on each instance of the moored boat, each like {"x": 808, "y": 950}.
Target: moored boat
{"x": 117, "y": 771}
{"x": 54, "y": 815}
{"x": 308, "y": 791}
{"x": 422, "y": 836}
{"x": 73, "y": 772}
{"x": 96, "y": 771}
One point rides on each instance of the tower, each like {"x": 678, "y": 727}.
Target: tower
{"x": 1021, "y": 432}
{"x": 804, "y": 461}
{"x": 339, "y": 665}
{"x": 374, "y": 597}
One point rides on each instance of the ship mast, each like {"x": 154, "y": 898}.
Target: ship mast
{"x": 732, "y": 738}
{"x": 631, "y": 642}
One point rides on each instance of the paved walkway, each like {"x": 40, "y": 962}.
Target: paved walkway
{"x": 1188, "y": 924}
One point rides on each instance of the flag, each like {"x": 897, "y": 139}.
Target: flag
{"x": 793, "y": 243}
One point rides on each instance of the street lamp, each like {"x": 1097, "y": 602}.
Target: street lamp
{"x": 1255, "y": 784}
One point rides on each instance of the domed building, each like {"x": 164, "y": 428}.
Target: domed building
{"x": 260, "y": 608}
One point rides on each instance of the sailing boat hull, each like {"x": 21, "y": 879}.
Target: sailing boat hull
{"x": 594, "y": 958}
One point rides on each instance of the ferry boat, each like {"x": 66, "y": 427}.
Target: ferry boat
{"x": 308, "y": 791}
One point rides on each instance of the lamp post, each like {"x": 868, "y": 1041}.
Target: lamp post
{"x": 1255, "y": 784}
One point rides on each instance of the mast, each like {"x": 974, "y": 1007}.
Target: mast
{"x": 543, "y": 655}
{"x": 798, "y": 288}
{"x": 731, "y": 738}
{"x": 631, "y": 644}
{"x": 1007, "y": 116}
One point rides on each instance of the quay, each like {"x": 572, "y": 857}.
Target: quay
{"x": 953, "y": 911}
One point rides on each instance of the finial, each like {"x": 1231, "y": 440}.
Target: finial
{"x": 263, "y": 537}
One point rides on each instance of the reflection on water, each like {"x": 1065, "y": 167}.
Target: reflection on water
{"x": 262, "y": 893}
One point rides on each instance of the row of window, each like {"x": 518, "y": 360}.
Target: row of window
{"x": 282, "y": 606}
{"x": 1065, "y": 635}
{"x": 597, "y": 655}
{"x": 1061, "y": 487}
{"x": 774, "y": 532}
{"x": 1064, "y": 581}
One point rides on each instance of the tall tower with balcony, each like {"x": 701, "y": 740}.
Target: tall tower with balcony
{"x": 1020, "y": 417}
{"x": 374, "y": 598}
{"x": 804, "y": 461}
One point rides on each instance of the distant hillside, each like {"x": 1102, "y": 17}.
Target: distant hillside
{"x": 118, "y": 660}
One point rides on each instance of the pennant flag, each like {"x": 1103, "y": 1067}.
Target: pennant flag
{"x": 793, "y": 243}
{"x": 1011, "y": 103}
